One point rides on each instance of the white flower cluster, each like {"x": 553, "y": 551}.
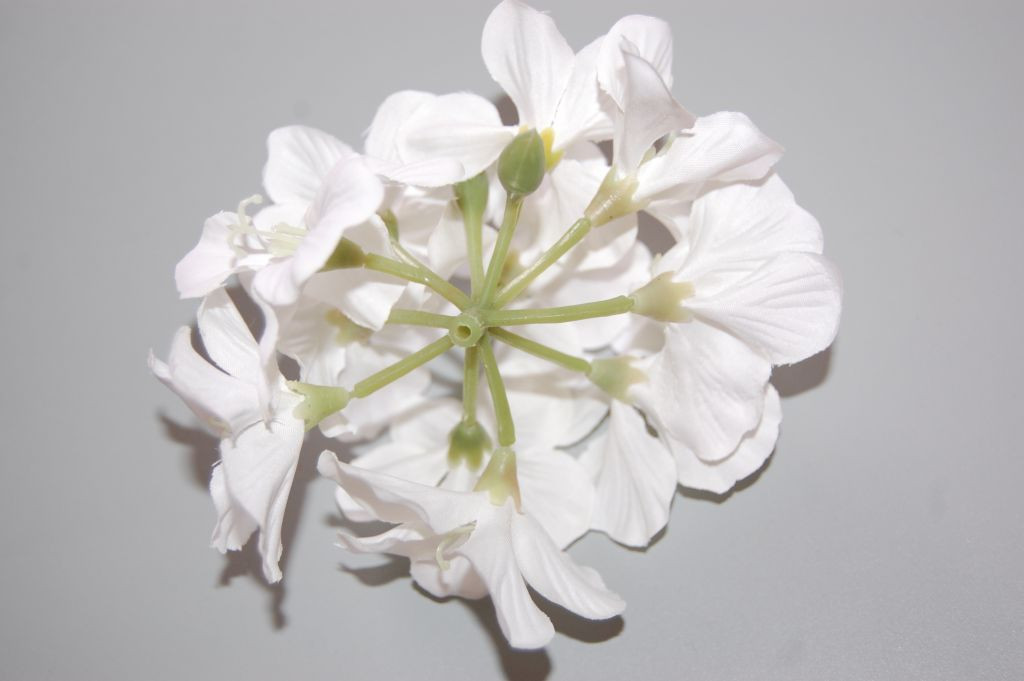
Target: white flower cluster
{"x": 517, "y": 244}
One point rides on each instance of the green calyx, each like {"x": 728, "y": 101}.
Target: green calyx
{"x": 500, "y": 479}
{"x": 662, "y": 299}
{"x": 346, "y": 255}
{"x": 522, "y": 164}
{"x": 320, "y": 401}
{"x": 467, "y": 444}
{"x": 615, "y": 376}
{"x": 614, "y": 199}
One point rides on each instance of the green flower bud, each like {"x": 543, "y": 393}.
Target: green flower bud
{"x": 468, "y": 442}
{"x": 471, "y": 196}
{"x": 522, "y": 164}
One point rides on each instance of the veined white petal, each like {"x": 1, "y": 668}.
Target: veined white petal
{"x": 635, "y": 477}
{"x": 528, "y": 58}
{"x": 459, "y": 126}
{"x": 705, "y": 388}
{"x": 395, "y": 500}
{"x": 556, "y": 491}
{"x": 788, "y": 308}
{"x": 211, "y": 261}
{"x": 556, "y": 577}
{"x": 392, "y": 114}
{"x": 259, "y": 466}
{"x": 364, "y": 296}
{"x": 649, "y": 38}
{"x": 226, "y": 404}
{"x": 299, "y": 158}
{"x": 227, "y": 339}
{"x": 490, "y": 550}
{"x": 722, "y": 147}
{"x": 429, "y": 425}
{"x": 580, "y": 114}
{"x": 406, "y": 460}
{"x": 234, "y": 526}
{"x": 751, "y": 453}
{"x": 649, "y": 112}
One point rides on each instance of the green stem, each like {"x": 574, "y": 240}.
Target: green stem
{"x": 548, "y": 258}
{"x": 570, "y": 362}
{"x": 502, "y": 412}
{"x": 417, "y": 274}
{"x": 469, "y": 384}
{"x": 474, "y": 224}
{"x": 420, "y": 318}
{"x": 513, "y": 205}
{"x": 375, "y": 382}
{"x": 557, "y": 315}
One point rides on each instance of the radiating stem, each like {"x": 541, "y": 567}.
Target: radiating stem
{"x": 375, "y": 382}
{"x": 502, "y": 412}
{"x": 470, "y": 381}
{"x": 570, "y": 362}
{"x": 557, "y": 315}
{"x": 548, "y": 258}
{"x": 513, "y": 205}
{"x": 420, "y": 318}
{"x": 417, "y": 274}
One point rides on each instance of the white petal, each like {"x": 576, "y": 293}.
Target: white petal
{"x": 258, "y": 470}
{"x": 528, "y": 58}
{"x": 234, "y": 526}
{"x": 751, "y": 453}
{"x": 705, "y": 388}
{"x": 458, "y": 126}
{"x": 223, "y": 402}
{"x": 227, "y": 339}
{"x": 428, "y": 426}
{"x": 447, "y": 243}
{"x": 363, "y": 296}
{"x": 649, "y": 112}
{"x": 403, "y": 540}
{"x": 635, "y": 478}
{"x": 739, "y": 226}
{"x": 391, "y": 115}
{"x": 723, "y": 147}
{"x": 557, "y": 491}
{"x": 580, "y": 114}
{"x": 559, "y": 202}
{"x": 315, "y": 341}
{"x": 395, "y": 500}
{"x": 647, "y": 37}
{"x": 556, "y": 577}
{"x": 788, "y": 308}
{"x": 299, "y": 159}
{"x": 457, "y": 579}
{"x": 407, "y": 461}
{"x": 489, "y": 549}
{"x": 209, "y": 264}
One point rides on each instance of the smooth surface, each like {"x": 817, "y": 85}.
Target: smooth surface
{"x": 883, "y": 541}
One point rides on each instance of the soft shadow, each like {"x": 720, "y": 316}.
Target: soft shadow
{"x": 738, "y": 487}
{"x": 653, "y": 234}
{"x": 201, "y": 445}
{"x": 802, "y": 376}
{"x": 392, "y": 569}
{"x": 506, "y": 109}
{"x": 518, "y": 665}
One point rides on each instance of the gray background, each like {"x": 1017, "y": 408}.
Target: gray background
{"x": 883, "y": 541}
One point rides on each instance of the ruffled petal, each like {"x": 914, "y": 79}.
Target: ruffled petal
{"x": 227, "y": 338}
{"x": 392, "y": 114}
{"x": 581, "y": 114}
{"x": 788, "y": 308}
{"x": 459, "y": 126}
{"x": 646, "y": 37}
{"x": 722, "y": 147}
{"x": 299, "y": 158}
{"x": 753, "y": 450}
{"x": 234, "y": 526}
{"x": 211, "y": 261}
{"x": 222, "y": 402}
{"x": 635, "y": 477}
{"x": 649, "y": 112}
{"x": 258, "y": 470}
{"x": 557, "y": 491}
{"x": 556, "y": 577}
{"x": 528, "y": 58}
{"x": 705, "y": 388}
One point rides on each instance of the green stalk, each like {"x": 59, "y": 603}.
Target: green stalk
{"x": 513, "y": 205}
{"x": 557, "y": 315}
{"x": 502, "y": 412}
{"x": 417, "y": 274}
{"x": 375, "y": 382}
{"x": 570, "y": 362}
{"x": 420, "y": 318}
{"x": 469, "y": 384}
{"x": 548, "y": 258}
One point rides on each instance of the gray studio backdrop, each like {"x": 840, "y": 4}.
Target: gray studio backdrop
{"x": 883, "y": 541}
